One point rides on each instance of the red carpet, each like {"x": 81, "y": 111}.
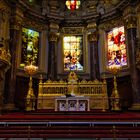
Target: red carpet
{"x": 70, "y": 124}
{"x": 101, "y": 116}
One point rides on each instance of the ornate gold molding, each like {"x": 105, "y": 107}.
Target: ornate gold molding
{"x": 92, "y": 26}
{"x": 130, "y": 22}
{"x": 16, "y": 23}
{"x": 54, "y": 26}
{"x": 92, "y": 37}
{"x": 73, "y": 30}
{"x": 5, "y": 55}
{"x": 33, "y": 24}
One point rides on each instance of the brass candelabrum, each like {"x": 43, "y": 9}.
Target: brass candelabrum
{"x": 115, "y": 97}
{"x": 30, "y": 98}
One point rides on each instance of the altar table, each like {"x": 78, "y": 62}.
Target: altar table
{"x": 78, "y": 103}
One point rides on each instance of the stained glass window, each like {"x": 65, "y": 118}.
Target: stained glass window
{"x": 116, "y": 47}
{"x": 73, "y": 4}
{"x": 73, "y": 55}
{"x": 30, "y": 46}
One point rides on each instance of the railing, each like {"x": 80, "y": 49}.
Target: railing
{"x": 69, "y": 129}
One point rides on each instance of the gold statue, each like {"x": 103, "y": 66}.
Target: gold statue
{"x": 72, "y": 83}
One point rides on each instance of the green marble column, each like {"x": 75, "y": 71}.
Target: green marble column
{"x": 52, "y": 62}
{"x": 94, "y": 58}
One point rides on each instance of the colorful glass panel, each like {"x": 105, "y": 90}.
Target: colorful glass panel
{"x": 116, "y": 47}
{"x": 73, "y": 54}
{"x": 30, "y": 46}
{"x": 73, "y": 4}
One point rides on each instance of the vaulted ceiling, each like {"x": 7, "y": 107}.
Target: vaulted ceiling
{"x": 90, "y": 10}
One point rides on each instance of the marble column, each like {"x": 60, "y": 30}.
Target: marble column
{"x": 10, "y": 86}
{"x": 131, "y": 29}
{"x": 94, "y": 60}
{"x": 52, "y": 62}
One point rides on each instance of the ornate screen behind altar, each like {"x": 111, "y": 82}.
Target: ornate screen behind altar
{"x": 95, "y": 91}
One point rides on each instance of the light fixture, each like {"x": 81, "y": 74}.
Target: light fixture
{"x": 73, "y": 4}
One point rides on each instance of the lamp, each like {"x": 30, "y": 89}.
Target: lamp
{"x": 73, "y": 4}
{"x": 115, "y": 98}
{"x": 30, "y": 98}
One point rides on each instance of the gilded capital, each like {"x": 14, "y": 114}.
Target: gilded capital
{"x": 53, "y": 37}
{"x": 54, "y": 27}
{"x": 130, "y": 19}
{"x": 16, "y": 24}
{"x": 5, "y": 55}
{"x": 92, "y": 37}
{"x": 17, "y": 19}
{"x": 130, "y": 22}
{"x": 91, "y": 26}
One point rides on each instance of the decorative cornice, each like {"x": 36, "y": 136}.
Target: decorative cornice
{"x": 33, "y": 24}
{"x": 5, "y": 56}
{"x": 111, "y": 24}
{"x": 72, "y": 30}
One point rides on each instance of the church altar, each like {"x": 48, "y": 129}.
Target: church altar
{"x": 76, "y": 103}
{"x": 89, "y": 94}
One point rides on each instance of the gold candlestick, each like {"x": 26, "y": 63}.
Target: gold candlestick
{"x": 115, "y": 98}
{"x": 30, "y": 98}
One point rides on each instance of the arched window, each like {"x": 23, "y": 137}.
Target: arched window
{"x": 30, "y": 47}
{"x": 116, "y": 47}
{"x": 73, "y": 52}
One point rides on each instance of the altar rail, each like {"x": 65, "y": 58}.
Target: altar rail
{"x": 95, "y": 90}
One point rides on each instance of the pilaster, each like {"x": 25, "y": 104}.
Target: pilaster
{"x": 94, "y": 58}
{"x": 52, "y": 58}
{"x": 130, "y": 21}
{"x": 10, "y": 87}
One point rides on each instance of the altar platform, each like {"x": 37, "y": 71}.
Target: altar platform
{"x": 71, "y": 124}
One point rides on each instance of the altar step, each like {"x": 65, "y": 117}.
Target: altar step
{"x": 70, "y": 124}
{"x": 30, "y": 130}
{"x": 71, "y": 116}
{"x": 91, "y": 112}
